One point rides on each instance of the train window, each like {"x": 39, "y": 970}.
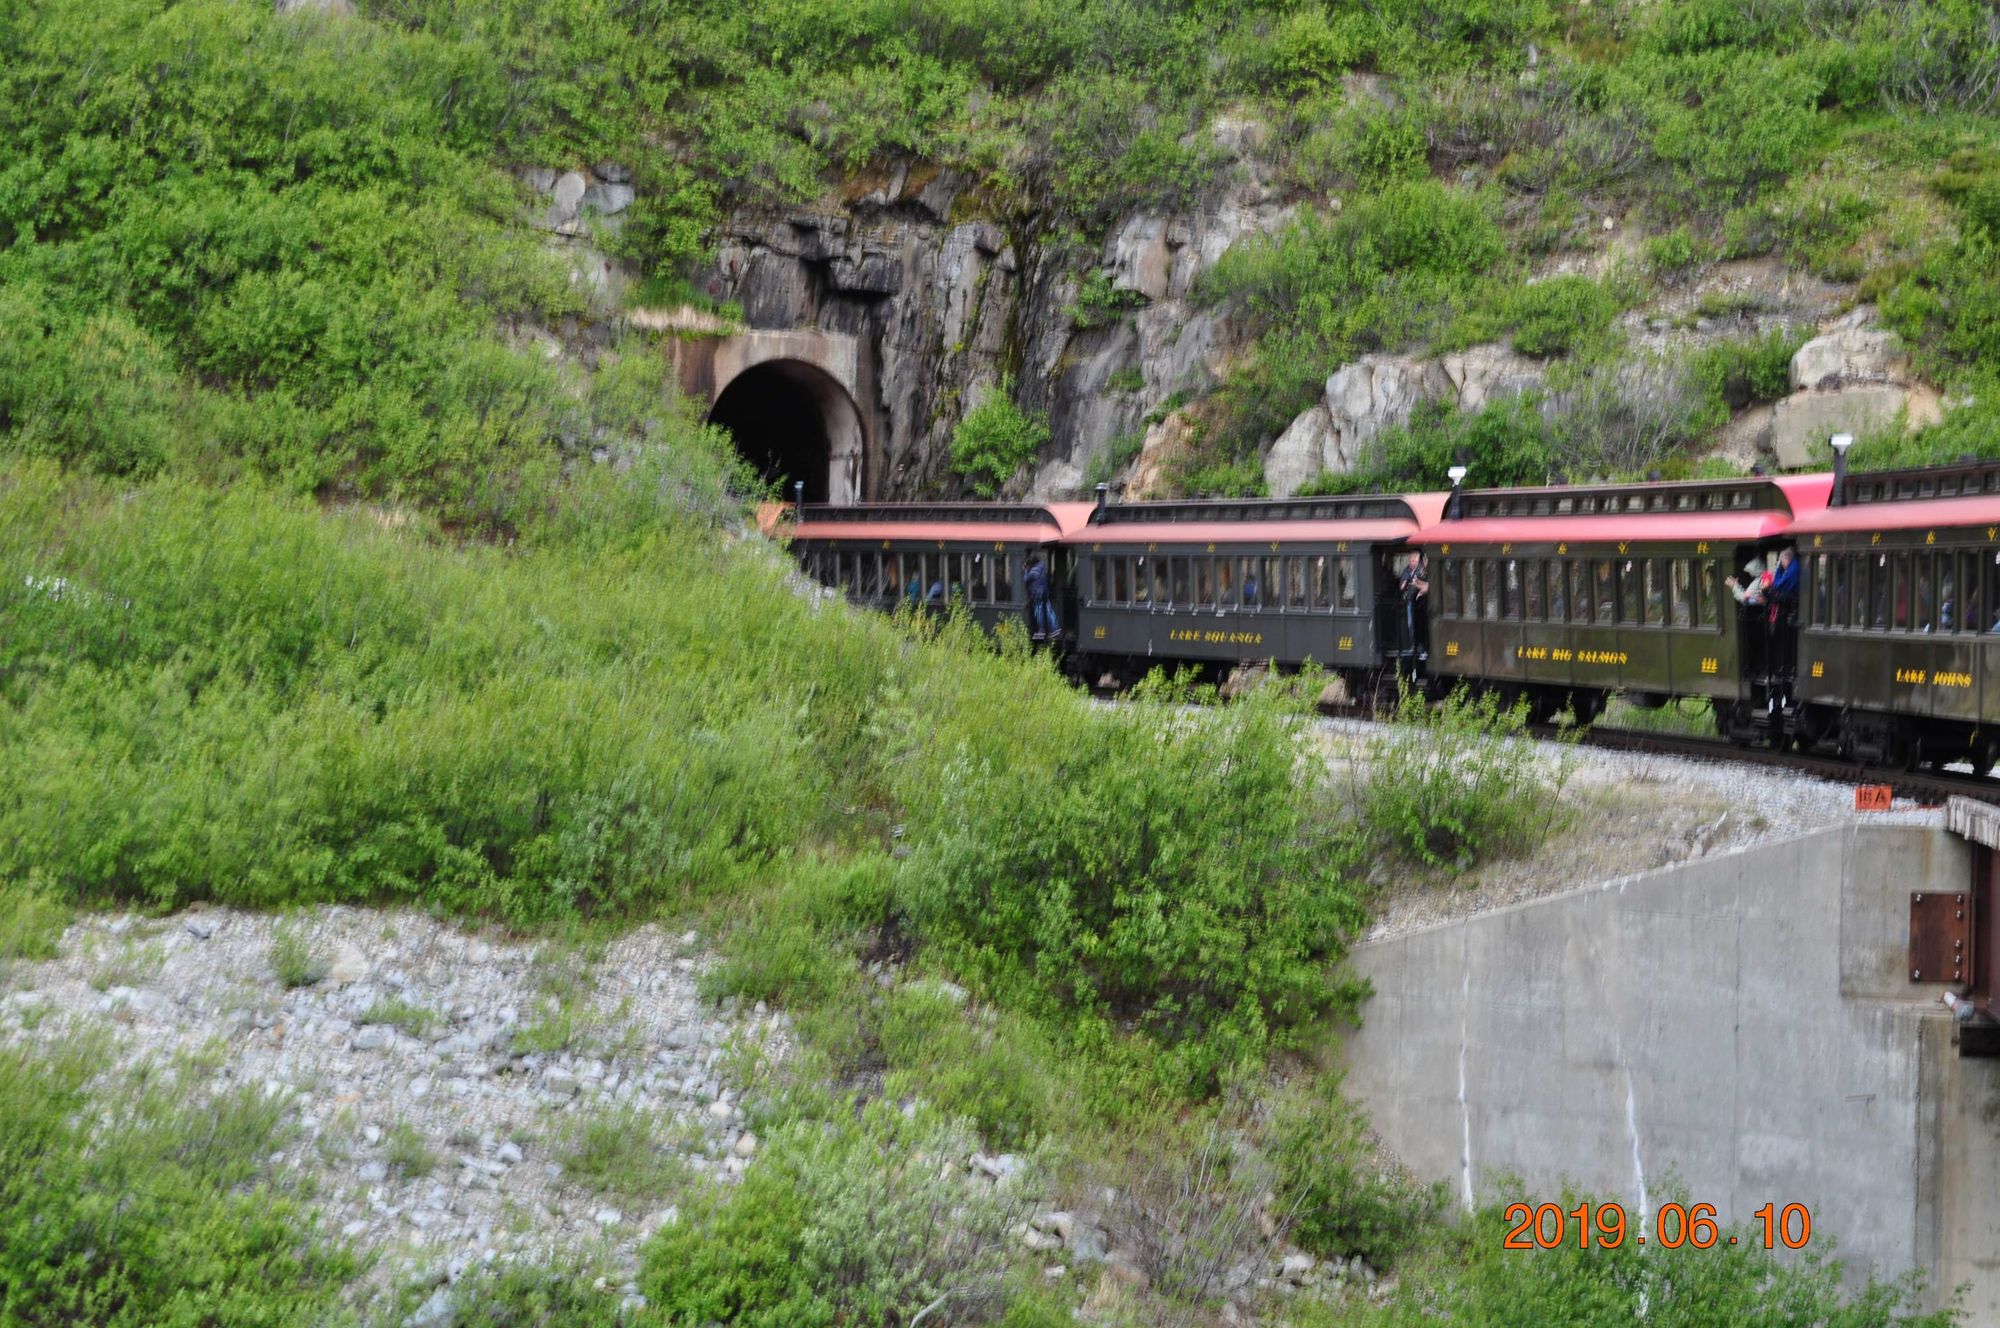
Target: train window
{"x": 1322, "y": 582}
{"x": 1117, "y": 572}
{"x": 1924, "y": 602}
{"x": 1489, "y": 579}
{"x": 1683, "y": 592}
{"x": 1177, "y": 581}
{"x": 1958, "y": 595}
{"x": 1344, "y": 596}
{"x": 1822, "y": 592}
{"x": 1003, "y": 578}
{"x": 1840, "y": 579}
{"x": 1656, "y": 592}
{"x": 1272, "y": 584}
{"x": 1604, "y": 592}
{"x": 1247, "y": 572}
{"x": 1510, "y": 588}
{"x": 1532, "y": 606}
{"x": 1900, "y": 565}
{"x": 1879, "y": 591}
{"x": 1447, "y": 577}
{"x": 1225, "y": 581}
{"x": 1142, "y": 579}
{"x": 1631, "y": 592}
{"x": 1101, "y": 578}
{"x": 1204, "y": 582}
{"x": 1295, "y": 582}
{"x": 1579, "y": 592}
{"x": 1558, "y": 592}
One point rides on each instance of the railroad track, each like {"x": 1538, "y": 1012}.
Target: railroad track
{"x": 1922, "y": 786}
{"x": 1926, "y": 786}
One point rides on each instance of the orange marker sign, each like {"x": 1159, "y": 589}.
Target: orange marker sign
{"x": 1872, "y": 798}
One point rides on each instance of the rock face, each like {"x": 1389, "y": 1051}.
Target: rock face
{"x": 1378, "y": 392}
{"x": 1852, "y": 378}
{"x": 943, "y": 308}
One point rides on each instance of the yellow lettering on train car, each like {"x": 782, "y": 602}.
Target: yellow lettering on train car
{"x": 1709, "y": 664}
{"x": 1531, "y": 652}
{"x": 1346, "y": 643}
{"x": 1506, "y": 548}
{"x": 1915, "y": 676}
{"x": 1943, "y": 679}
{"x": 1817, "y": 540}
{"x": 1601, "y": 657}
{"x": 1562, "y": 548}
{"x": 1622, "y": 546}
{"x": 1098, "y": 634}
{"x": 1819, "y": 668}
{"x": 1701, "y": 547}
{"x": 1562, "y": 654}
{"x": 1340, "y": 547}
{"x": 1931, "y": 538}
{"x": 1211, "y": 548}
{"x": 1876, "y": 538}
{"x": 1451, "y": 650}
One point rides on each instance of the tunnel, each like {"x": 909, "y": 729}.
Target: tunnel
{"x": 794, "y": 421}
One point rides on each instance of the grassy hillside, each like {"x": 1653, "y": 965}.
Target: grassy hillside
{"x": 309, "y": 591}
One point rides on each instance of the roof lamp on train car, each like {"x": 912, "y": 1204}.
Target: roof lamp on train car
{"x": 1457, "y": 474}
{"x": 1103, "y": 497}
{"x": 1840, "y": 443}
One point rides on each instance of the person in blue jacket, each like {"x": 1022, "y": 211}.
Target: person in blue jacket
{"x": 1042, "y": 624}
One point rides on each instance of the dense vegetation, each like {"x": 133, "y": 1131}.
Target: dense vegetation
{"x": 308, "y": 592}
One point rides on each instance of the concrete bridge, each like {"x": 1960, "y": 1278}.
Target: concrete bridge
{"x": 790, "y": 397}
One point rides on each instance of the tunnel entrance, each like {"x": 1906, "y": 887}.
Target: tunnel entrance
{"x": 793, "y": 421}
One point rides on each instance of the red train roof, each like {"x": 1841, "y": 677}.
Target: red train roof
{"x": 1918, "y": 514}
{"x": 1426, "y": 507}
{"x": 1053, "y": 521}
{"x": 1637, "y": 527}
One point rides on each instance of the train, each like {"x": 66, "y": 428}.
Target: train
{"x": 1559, "y": 597}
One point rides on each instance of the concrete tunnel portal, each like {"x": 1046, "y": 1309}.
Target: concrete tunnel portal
{"x": 794, "y": 421}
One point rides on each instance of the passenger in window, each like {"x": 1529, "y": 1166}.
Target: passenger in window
{"x": 1945, "y": 606}
{"x": 1558, "y": 602}
{"x": 1250, "y": 584}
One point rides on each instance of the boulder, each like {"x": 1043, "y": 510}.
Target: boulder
{"x": 1483, "y": 374}
{"x": 1299, "y": 455}
{"x": 1140, "y": 258}
{"x": 1854, "y": 350}
{"x": 1802, "y": 422}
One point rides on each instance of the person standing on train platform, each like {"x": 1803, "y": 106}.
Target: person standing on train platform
{"x": 1413, "y": 586}
{"x": 1782, "y": 617}
{"x": 1042, "y": 623}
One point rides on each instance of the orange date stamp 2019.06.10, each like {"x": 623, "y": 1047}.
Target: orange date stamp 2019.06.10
{"x": 1547, "y": 1226}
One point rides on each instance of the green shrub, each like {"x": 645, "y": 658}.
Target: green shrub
{"x": 990, "y": 1067}
{"x": 1099, "y": 303}
{"x": 415, "y": 1020}
{"x": 862, "y": 1218}
{"x": 1561, "y": 315}
{"x": 32, "y": 920}
{"x": 140, "y": 1200}
{"x": 1343, "y": 1199}
{"x": 1672, "y": 253}
{"x": 1178, "y": 876}
{"x": 995, "y": 439}
{"x": 295, "y": 960}
{"x": 407, "y": 1152}
{"x": 620, "y": 1151}
{"x": 521, "y": 1295}
{"x": 1457, "y": 781}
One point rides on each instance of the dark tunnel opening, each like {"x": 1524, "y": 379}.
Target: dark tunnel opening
{"x": 783, "y": 416}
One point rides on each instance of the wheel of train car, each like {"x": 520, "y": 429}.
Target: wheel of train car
{"x": 1815, "y": 725}
{"x": 1588, "y": 705}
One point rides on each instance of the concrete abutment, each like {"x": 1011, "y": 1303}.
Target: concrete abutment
{"x": 1744, "y": 1024}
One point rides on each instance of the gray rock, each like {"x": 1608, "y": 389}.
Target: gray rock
{"x": 1296, "y": 1268}
{"x": 608, "y": 1217}
{"x": 507, "y": 1154}
{"x": 437, "y": 1312}
{"x": 1088, "y": 1244}
{"x": 373, "y": 1173}
{"x": 199, "y": 928}
{"x": 374, "y": 1037}
{"x": 560, "y": 1082}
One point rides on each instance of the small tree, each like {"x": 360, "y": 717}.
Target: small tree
{"x": 995, "y": 439}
